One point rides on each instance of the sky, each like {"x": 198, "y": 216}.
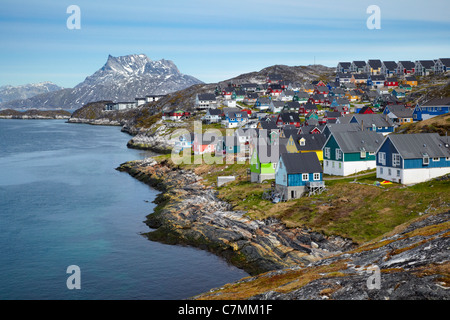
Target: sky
{"x": 212, "y": 40}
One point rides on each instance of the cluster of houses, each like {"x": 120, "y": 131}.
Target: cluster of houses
{"x": 126, "y": 105}
{"x": 295, "y": 133}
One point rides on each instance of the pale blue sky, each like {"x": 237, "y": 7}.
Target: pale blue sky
{"x": 212, "y": 40}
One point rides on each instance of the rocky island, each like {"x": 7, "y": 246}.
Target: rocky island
{"x": 34, "y": 114}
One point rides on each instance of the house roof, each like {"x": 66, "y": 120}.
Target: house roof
{"x": 400, "y": 111}
{"x": 360, "y": 76}
{"x": 312, "y": 141}
{"x": 358, "y": 141}
{"x": 343, "y": 127}
{"x": 390, "y": 65}
{"x": 445, "y": 61}
{"x": 407, "y": 64}
{"x": 359, "y": 64}
{"x": 345, "y": 64}
{"x": 438, "y": 102}
{"x": 206, "y": 96}
{"x": 418, "y": 145}
{"x": 427, "y": 64}
{"x": 377, "y": 77}
{"x": 289, "y": 117}
{"x": 371, "y": 119}
{"x": 214, "y": 112}
{"x": 374, "y": 63}
{"x": 301, "y": 162}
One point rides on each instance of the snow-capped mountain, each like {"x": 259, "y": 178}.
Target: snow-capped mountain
{"x": 10, "y": 93}
{"x": 122, "y": 78}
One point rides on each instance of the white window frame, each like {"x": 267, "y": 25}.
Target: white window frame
{"x": 327, "y": 152}
{"x": 316, "y": 176}
{"x": 303, "y": 176}
{"x": 426, "y": 160}
{"x": 362, "y": 154}
{"x": 382, "y": 158}
{"x": 436, "y": 159}
{"x": 338, "y": 154}
{"x": 396, "y": 160}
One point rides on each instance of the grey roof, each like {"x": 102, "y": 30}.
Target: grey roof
{"x": 427, "y": 64}
{"x": 214, "y": 112}
{"x": 359, "y": 64}
{"x": 377, "y": 77}
{"x": 374, "y": 63}
{"x": 418, "y": 145}
{"x": 400, "y": 111}
{"x": 287, "y": 117}
{"x": 368, "y": 120}
{"x": 438, "y": 102}
{"x": 445, "y": 61}
{"x": 407, "y": 64}
{"x": 345, "y": 64}
{"x": 206, "y": 96}
{"x": 390, "y": 65}
{"x": 307, "y": 162}
{"x": 312, "y": 141}
{"x": 358, "y": 141}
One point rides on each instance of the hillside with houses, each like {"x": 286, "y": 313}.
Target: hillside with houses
{"x": 349, "y": 123}
{"x": 285, "y": 173}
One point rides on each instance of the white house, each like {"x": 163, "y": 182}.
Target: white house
{"x": 413, "y": 158}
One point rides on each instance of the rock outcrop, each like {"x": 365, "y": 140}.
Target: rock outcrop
{"x": 412, "y": 263}
{"x": 189, "y": 213}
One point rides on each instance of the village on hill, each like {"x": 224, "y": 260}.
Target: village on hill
{"x": 293, "y": 134}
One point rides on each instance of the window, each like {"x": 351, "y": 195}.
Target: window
{"x": 398, "y": 173}
{"x": 389, "y": 172}
{"x": 381, "y": 170}
{"x": 425, "y": 160}
{"x": 316, "y": 176}
{"x": 447, "y": 158}
{"x": 274, "y": 165}
{"x": 435, "y": 159}
{"x": 340, "y": 165}
{"x": 395, "y": 160}
{"x": 382, "y": 158}
{"x": 338, "y": 154}
{"x": 305, "y": 177}
{"x": 327, "y": 152}
{"x": 362, "y": 154}
{"x": 371, "y": 153}
{"x": 326, "y": 163}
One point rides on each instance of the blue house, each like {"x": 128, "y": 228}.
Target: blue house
{"x": 296, "y": 173}
{"x": 432, "y": 108}
{"x": 235, "y": 119}
{"x": 413, "y": 158}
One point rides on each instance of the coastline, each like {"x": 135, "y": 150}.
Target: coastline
{"x": 189, "y": 213}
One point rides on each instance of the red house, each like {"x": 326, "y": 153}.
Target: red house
{"x": 274, "y": 89}
{"x": 305, "y": 108}
{"x": 391, "y": 82}
{"x": 288, "y": 118}
{"x": 366, "y": 110}
{"x": 204, "y": 143}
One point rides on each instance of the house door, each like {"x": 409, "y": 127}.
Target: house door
{"x": 293, "y": 194}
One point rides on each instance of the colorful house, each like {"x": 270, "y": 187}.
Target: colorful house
{"x": 413, "y": 158}
{"x": 296, "y": 173}
{"x": 263, "y": 161}
{"x": 346, "y": 153}
{"x": 287, "y": 118}
{"x": 205, "y": 143}
{"x": 432, "y": 108}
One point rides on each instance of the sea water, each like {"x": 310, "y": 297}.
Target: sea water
{"x": 62, "y": 203}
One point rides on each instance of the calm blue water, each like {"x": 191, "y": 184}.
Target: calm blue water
{"x": 63, "y": 203}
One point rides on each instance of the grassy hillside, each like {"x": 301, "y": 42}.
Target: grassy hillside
{"x": 439, "y": 124}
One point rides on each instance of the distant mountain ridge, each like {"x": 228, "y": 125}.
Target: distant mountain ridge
{"x": 122, "y": 78}
{"x": 11, "y": 93}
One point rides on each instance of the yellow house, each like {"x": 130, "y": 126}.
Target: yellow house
{"x": 306, "y": 143}
{"x": 411, "y": 80}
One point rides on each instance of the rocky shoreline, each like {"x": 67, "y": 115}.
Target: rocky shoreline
{"x": 189, "y": 213}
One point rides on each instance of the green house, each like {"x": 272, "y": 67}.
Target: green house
{"x": 263, "y": 162}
